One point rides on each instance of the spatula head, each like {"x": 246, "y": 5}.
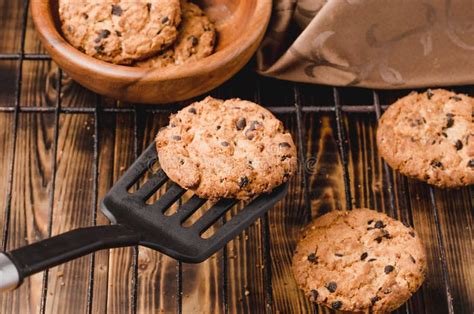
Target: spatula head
{"x": 167, "y": 233}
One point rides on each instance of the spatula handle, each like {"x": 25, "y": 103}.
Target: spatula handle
{"x": 36, "y": 257}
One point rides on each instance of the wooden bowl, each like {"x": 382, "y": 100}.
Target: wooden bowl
{"x": 241, "y": 26}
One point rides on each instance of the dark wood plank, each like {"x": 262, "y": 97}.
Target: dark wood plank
{"x": 68, "y": 283}
{"x": 11, "y": 13}
{"x": 456, "y": 210}
{"x": 105, "y": 181}
{"x": 30, "y": 207}
{"x": 32, "y": 41}
{"x": 39, "y": 82}
{"x": 6, "y": 142}
{"x": 8, "y": 78}
{"x": 120, "y": 272}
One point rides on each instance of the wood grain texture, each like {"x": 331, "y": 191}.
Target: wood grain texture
{"x": 121, "y": 271}
{"x": 10, "y": 25}
{"x": 72, "y": 209}
{"x": 29, "y": 218}
{"x": 8, "y": 77}
{"x": 234, "y": 281}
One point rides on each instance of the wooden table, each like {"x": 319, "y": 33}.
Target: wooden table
{"x": 63, "y": 147}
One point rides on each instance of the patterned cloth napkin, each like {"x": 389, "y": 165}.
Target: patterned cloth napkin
{"x": 370, "y": 43}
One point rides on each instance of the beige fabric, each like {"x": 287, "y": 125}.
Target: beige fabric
{"x": 371, "y": 43}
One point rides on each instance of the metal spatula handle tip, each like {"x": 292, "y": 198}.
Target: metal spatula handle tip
{"x": 9, "y": 276}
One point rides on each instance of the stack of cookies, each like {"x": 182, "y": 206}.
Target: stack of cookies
{"x": 144, "y": 33}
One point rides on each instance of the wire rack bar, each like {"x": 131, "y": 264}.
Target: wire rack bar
{"x": 168, "y": 109}
{"x": 95, "y": 196}
{"x": 23, "y": 56}
{"x": 341, "y": 141}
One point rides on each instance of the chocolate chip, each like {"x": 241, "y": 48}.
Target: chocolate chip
{"x": 386, "y": 234}
{"x": 314, "y": 295}
{"x": 372, "y": 260}
{"x": 218, "y": 127}
{"x": 241, "y": 124}
{"x": 388, "y": 269}
{"x": 450, "y": 121}
{"x": 225, "y": 144}
{"x": 181, "y": 162}
{"x": 284, "y": 145}
{"x": 458, "y": 145}
{"x": 192, "y": 110}
{"x": 470, "y": 163}
{"x": 243, "y": 181}
{"x": 374, "y": 299}
{"x": 102, "y": 35}
{"x": 253, "y": 125}
{"x": 99, "y": 48}
{"x": 249, "y": 135}
{"x": 86, "y": 16}
{"x": 336, "y": 305}
{"x": 456, "y": 98}
{"x": 339, "y": 255}
{"x": 417, "y": 122}
{"x": 194, "y": 40}
{"x": 412, "y": 233}
{"x": 364, "y": 256}
{"x": 312, "y": 258}
{"x": 116, "y": 10}
{"x": 176, "y": 137}
{"x": 165, "y": 19}
{"x": 436, "y": 163}
{"x": 429, "y": 93}
{"x": 379, "y": 224}
{"x": 119, "y": 34}
{"x": 332, "y": 286}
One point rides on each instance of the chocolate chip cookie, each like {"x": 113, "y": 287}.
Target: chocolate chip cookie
{"x": 196, "y": 39}
{"x": 430, "y": 136}
{"x": 120, "y": 31}
{"x": 226, "y": 149}
{"x": 359, "y": 261}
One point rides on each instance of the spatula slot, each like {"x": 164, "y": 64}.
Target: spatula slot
{"x": 188, "y": 208}
{"x": 146, "y": 163}
{"x": 152, "y": 187}
{"x": 212, "y": 215}
{"x": 173, "y": 194}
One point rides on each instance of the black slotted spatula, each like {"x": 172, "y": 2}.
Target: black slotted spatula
{"x": 138, "y": 223}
